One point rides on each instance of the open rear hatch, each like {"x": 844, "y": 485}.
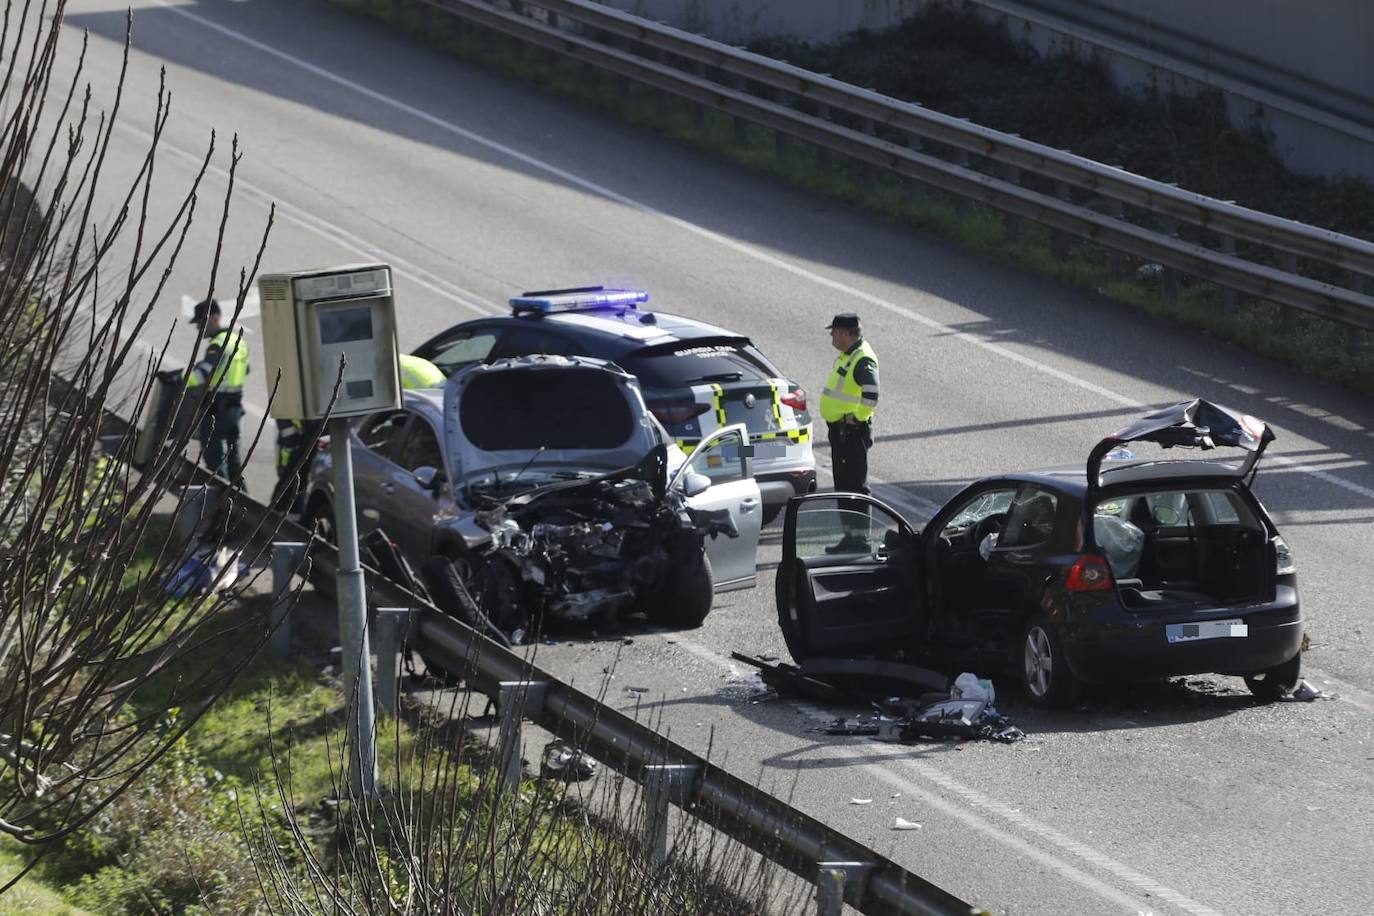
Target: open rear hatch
{"x": 1192, "y": 424}
{"x": 1183, "y": 541}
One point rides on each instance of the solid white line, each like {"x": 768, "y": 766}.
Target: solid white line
{"x": 748, "y": 251}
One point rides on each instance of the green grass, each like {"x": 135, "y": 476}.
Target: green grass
{"x": 1318, "y": 347}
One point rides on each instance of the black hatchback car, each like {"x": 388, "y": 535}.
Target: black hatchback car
{"x": 1136, "y": 567}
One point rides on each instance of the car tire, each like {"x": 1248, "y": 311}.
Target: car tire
{"x": 1275, "y": 683}
{"x": 686, "y": 600}
{"x": 319, "y": 519}
{"x": 1044, "y": 665}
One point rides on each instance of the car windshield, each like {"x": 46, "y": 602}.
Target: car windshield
{"x": 694, "y": 362}
{"x": 582, "y": 409}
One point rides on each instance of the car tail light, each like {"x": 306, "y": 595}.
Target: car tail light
{"x": 796, "y": 399}
{"x": 1090, "y": 573}
{"x": 671, "y": 413}
{"x": 1284, "y": 564}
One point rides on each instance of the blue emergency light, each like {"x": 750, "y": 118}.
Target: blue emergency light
{"x": 586, "y": 298}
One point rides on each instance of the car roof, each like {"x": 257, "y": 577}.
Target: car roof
{"x": 1074, "y": 479}
{"x": 625, "y": 330}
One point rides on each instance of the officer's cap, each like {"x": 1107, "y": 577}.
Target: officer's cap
{"x": 204, "y": 310}
{"x": 845, "y": 320}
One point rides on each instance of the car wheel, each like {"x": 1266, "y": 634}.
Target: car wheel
{"x": 1277, "y": 682}
{"x": 1044, "y": 667}
{"x": 319, "y": 519}
{"x": 687, "y": 599}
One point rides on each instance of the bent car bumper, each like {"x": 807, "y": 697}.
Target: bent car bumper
{"x": 1121, "y": 646}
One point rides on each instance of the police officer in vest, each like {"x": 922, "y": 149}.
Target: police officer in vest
{"x": 222, "y": 372}
{"x": 847, "y": 404}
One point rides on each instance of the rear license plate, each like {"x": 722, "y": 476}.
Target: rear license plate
{"x": 1211, "y": 629}
{"x": 770, "y": 448}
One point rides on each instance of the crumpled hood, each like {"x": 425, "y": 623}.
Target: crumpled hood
{"x": 544, "y": 413}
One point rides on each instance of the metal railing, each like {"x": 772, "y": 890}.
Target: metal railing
{"x": 1239, "y": 249}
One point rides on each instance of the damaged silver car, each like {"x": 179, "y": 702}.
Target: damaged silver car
{"x": 542, "y": 487}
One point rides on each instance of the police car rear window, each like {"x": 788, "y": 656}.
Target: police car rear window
{"x": 563, "y": 409}
{"x": 694, "y": 362}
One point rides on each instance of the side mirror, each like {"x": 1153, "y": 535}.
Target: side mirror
{"x": 428, "y": 478}
{"x": 695, "y": 484}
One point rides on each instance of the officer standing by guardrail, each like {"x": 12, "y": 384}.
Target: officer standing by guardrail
{"x": 848, "y": 402}
{"x": 223, "y": 371}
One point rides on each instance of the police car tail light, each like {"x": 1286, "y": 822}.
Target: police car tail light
{"x": 582, "y": 298}
{"x": 1089, "y": 573}
{"x": 796, "y": 399}
{"x": 671, "y": 413}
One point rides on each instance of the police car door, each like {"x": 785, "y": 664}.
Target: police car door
{"x": 723, "y": 458}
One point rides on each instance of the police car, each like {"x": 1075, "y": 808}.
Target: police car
{"x": 696, "y": 378}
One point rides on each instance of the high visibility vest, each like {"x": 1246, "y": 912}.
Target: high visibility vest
{"x": 225, "y": 363}
{"x": 418, "y": 372}
{"x": 290, "y": 435}
{"x": 843, "y": 395}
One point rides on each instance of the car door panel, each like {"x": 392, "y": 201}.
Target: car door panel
{"x": 856, "y": 602}
{"x": 371, "y": 443}
{"x": 410, "y": 510}
{"x": 723, "y": 457}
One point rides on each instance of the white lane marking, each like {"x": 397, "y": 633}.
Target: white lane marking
{"x": 984, "y": 803}
{"x": 738, "y": 247}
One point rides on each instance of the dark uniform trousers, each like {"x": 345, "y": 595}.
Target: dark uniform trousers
{"x": 219, "y": 435}
{"x": 849, "y": 445}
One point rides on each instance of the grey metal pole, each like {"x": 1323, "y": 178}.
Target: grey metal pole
{"x": 664, "y": 784}
{"x": 349, "y": 586}
{"x": 392, "y": 623}
{"x": 514, "y": 701}
{"x": 191, "y": 510}
{"x": 831, "y": 880}
{"x": 286, "y": 557}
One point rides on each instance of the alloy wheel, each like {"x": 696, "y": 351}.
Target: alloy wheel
{"x": 1038, "y": 661}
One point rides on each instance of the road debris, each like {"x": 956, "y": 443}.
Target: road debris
{"x": 903, "y": 824}
{"x": 563, "y": 762}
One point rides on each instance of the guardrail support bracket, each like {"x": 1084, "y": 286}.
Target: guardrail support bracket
{"x": 393, "y": 628}
{"x": 286, "y": 558}
{"x": 664, "y": 784}
{"x": 515, "y": 700}
{"x": 834, "y": 879}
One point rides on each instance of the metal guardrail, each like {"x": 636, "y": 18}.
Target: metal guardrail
{"x": 1279, "y": 260}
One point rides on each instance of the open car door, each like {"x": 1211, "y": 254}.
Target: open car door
{"x": 849, "y": 581}
{"x": 723, "y": 459}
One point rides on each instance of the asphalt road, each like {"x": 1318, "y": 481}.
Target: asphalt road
{"x": 1183, "y": 797}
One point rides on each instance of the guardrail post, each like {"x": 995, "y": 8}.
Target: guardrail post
{"x": 825, "y": 162}
{"x": 1230, "y": 301}
{"x": 393, "y": 625}
{"x": 1012, "y": 223}
{"x": 783, "y": 98}
{"x": 741, "y": 125}
{"x": 191, "y": 511}
{"x": 1170, "y": 226}
{"x": 286, "y": 558}
{"x": 1059, "y": 239}
{"x": 514, "y": 700}
{"x": 1118, "y": 264}
{"x": 1355, "y": 335}
{"x": 664, "y": 784}
{"x": 831, "y": 881}
{"x": 1288, "y": 316}
{"x": 961, "y": 158}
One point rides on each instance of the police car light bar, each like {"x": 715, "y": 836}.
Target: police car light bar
{"x": 576, "y": 300}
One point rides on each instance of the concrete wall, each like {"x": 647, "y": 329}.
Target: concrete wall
{"x": 1304, "y": 71}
